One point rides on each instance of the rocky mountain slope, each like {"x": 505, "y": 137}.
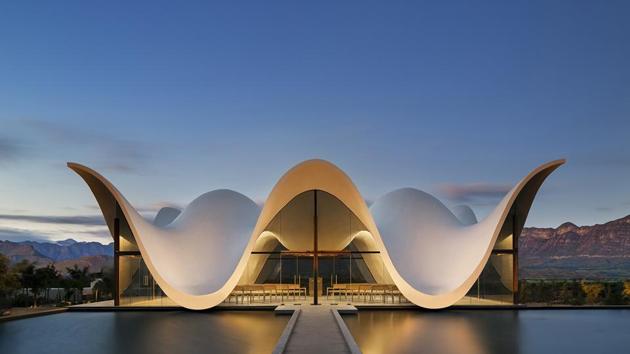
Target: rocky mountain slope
{"x": 62, "y": 253}
{"x": 596, "y": 252}
{"x": 70, "y": 249}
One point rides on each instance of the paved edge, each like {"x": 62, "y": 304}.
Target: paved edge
{"x": 33, "y": 314}
{"x": 347, "y": 310}
{"x": 165, "y": 308}
{"x": 285, "y": 310}
{"x": 286, "y": 334}
{"x": 517, "y": 307}
{"x": 350, "y": 342}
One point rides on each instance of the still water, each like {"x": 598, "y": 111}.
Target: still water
{"x": 494, "y": 331}
{"x": 176, "y": 332}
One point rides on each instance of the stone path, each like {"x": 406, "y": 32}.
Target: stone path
{"x": 317, "y": 331}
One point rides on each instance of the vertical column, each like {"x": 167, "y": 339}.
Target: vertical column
{"x": 515, "y": 235}
{"x": 116, "y": 261}
{"x": 315, "y": 253}
{"x": 350, "y": 258}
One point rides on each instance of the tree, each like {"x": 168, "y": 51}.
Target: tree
{"x": 545, "y": 292}
{"x": 565, "y": 294}
{"x": 571, "y": 293}
{"x": 108, "y": 279}
{"x": 9, "y": 281}
{"x": 37, "y": 284}
{"x": 67, "y": 284}
{"x": 20, "y": 269}
{"x": 104, "y": 285}
{"x": 626, "y": 291}
{"x": 79, "y": 278}
{"x": 614, "y": 293}
{"x": 593, "y": 291}
{"x": 99, "y": 287}
{"x": 30, "y": 279}
{"x": 47, "y": 277}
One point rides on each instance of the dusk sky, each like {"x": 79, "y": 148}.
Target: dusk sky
{"x": 171, "y": 100}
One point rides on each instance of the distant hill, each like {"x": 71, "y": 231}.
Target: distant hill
{"x": 63, "y": 254}
{"x": 95, "y": 264}
{"x": 71, "y": 249}
{"x": 571, "y": 251}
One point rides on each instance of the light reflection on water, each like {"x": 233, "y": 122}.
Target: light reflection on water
{"x": 176, "y": 332}
{"x": 493, "y": 331}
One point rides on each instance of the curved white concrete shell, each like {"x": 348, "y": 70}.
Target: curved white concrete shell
{"x": 431, "y": 255}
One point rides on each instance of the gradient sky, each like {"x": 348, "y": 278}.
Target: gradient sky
{"x": 171, "y": 100}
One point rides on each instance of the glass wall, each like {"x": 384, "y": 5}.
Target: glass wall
{"x": 127, "y": 241}
{"x": 285, "y": 252}
{"x": 136, "y": 285}
{"x": 494, "y": 285}
{"x": 505, "y": 241}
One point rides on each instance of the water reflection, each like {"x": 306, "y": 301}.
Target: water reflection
{"x": 493, "y": 331}
{"x": 434, "y": 332}
{"x": 144, "y": 332}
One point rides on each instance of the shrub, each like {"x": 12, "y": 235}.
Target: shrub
{"x": 594, "y": 292}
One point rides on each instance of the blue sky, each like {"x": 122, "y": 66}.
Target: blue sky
{"x": 171, "y": 100}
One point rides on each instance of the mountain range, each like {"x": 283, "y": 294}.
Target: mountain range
{"x": 66, "y": 253}
{"x": 569, "y": 251}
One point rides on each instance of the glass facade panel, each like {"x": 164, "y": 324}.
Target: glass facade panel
{"x": 305, "y": 269}
{"x": 504, "y": 241}
{"x": 337, "y": 227}
{"x": 360, "y": 271}
{"x": 506, "y": 237}
{"x": 495, "y": 284}
{"x": 127, "y": 240}
{"x": 136, "y": 285}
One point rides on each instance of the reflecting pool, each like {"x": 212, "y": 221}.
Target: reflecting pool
{"x": 144, "y": 332}
{"x": 492, "y": 331}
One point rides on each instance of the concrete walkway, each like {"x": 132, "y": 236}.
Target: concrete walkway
{"x": 317, "y": 331}
{"x": 26, "y": 312}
